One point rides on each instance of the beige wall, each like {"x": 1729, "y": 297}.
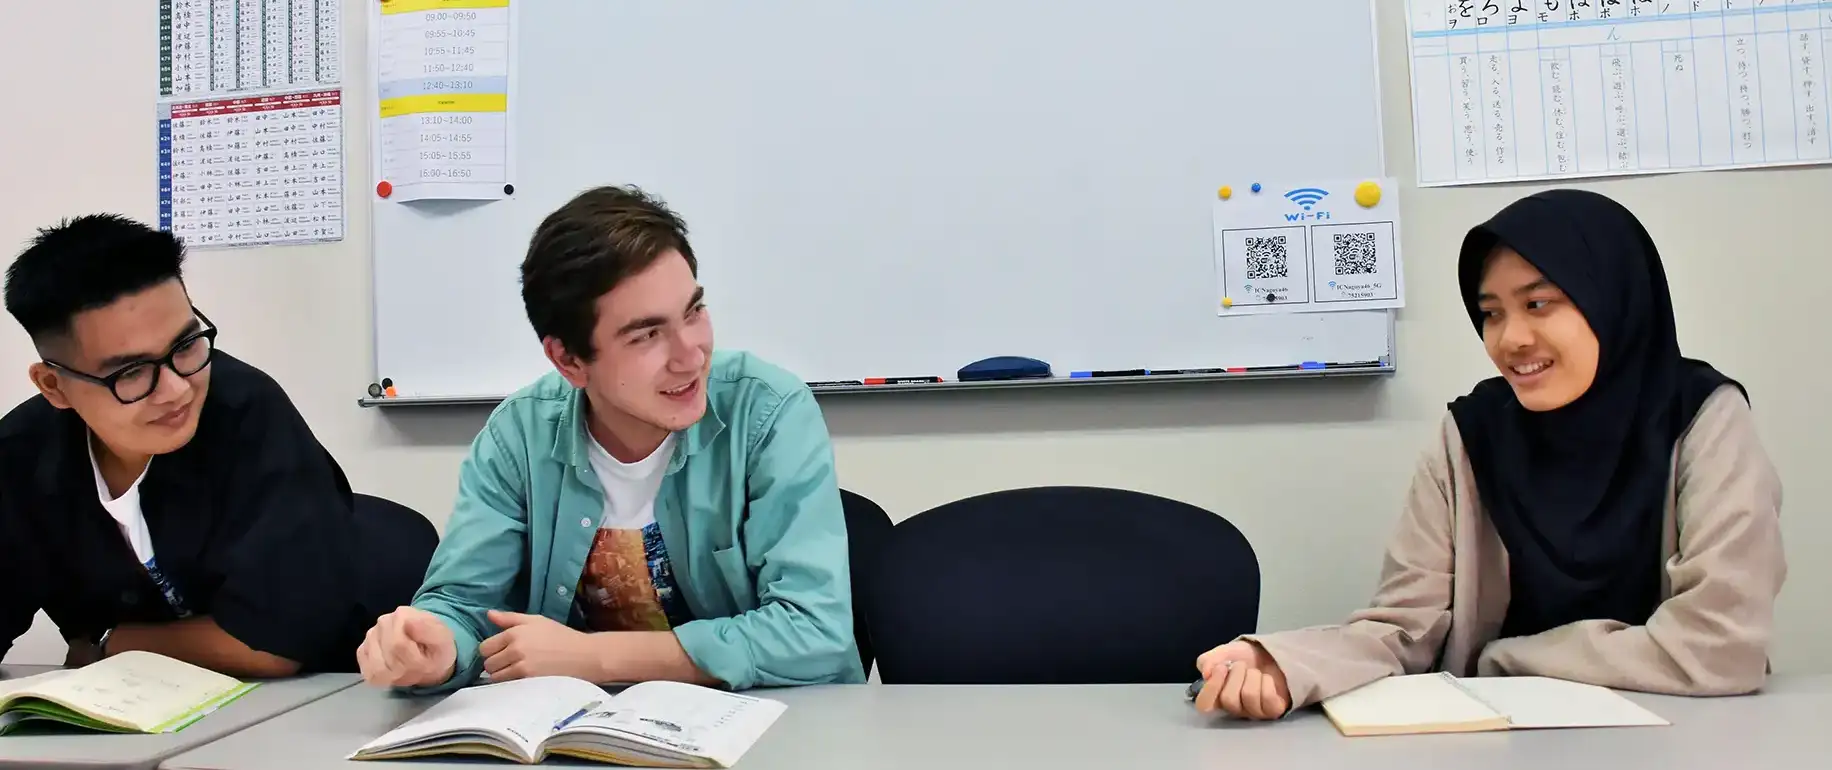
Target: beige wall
{"x": 1312, "y": 472}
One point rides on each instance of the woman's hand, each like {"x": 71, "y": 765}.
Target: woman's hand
{"x": 1241, "y": 679}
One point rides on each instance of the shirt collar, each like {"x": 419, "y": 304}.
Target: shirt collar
{"x": 570, "y": 437}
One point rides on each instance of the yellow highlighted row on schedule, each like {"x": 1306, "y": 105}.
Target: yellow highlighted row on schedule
{"x": 416, "y": 6}
{"x": 410, "y": 105}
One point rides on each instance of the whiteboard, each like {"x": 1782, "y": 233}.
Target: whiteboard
{"x": 885, "y": 189}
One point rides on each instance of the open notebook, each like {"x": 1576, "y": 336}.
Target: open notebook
{"x": 133, "y": 692}
{"x": 1441, "y": 703}
{"x": 653, "y": 724}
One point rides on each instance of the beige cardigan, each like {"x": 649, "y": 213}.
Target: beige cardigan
{"x": 1444, "y": 584}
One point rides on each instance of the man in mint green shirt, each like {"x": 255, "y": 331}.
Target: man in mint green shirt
{"x": 651, "y": 509}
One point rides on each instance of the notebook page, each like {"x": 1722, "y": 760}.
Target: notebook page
{"x": 1419, "y": 700}
{"x": 138, "y": 689}
{"x": 693, "y": 720}
{"x": 9, "y": 686}
{"x": 521, "y": 712}
{"x": 1536, "y": 702}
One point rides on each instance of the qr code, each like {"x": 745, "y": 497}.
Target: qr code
{"x": 1355, "y": 253}
{"x": 1267, "y": 258}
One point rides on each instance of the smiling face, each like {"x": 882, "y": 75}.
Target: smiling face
{"x": 652, "y": 350}
{"x": 1536, "y": 336}
{"x": 122, "y": 336}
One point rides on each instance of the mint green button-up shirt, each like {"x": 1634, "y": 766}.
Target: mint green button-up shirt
{"x": 749, "y": 510}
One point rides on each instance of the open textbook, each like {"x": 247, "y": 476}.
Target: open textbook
{"x": 1441, "y": 703}
{"x": 653, "y": 724}
{"x": 133, "y": 692}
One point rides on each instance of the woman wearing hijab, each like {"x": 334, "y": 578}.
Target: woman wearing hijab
{"x": 1601, "y": 512}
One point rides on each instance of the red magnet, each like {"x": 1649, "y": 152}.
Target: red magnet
{"x": 384, "y": 189}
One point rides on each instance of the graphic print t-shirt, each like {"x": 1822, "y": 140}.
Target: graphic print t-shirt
{"x": 131, "y": 519}
{"x": 628, "y": 582}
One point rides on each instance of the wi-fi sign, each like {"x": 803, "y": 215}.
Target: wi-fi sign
{"x": 1306, "y": 196}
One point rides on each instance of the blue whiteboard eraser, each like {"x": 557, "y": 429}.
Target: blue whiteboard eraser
{"x": 1003, "y": 368}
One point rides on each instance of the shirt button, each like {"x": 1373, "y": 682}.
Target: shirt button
{"x": 561, "y": 590}
{"x": 585, "y": 522}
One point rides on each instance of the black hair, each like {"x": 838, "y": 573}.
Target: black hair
{"x": 85, "y": 263}
{"x": 584, "y": 249}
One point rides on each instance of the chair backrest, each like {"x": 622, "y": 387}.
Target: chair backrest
{"x": 1059, "y": 585}
{"x": 397, "y": 545}
{"x": 867, "y": 527}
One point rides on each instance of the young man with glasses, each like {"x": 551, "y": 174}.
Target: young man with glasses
{"x": 158, "y": 494}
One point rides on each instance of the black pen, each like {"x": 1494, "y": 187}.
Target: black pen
{"x": 1110, "y": 373}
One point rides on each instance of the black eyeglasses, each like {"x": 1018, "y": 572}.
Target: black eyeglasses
{"x": 139, "y": 379}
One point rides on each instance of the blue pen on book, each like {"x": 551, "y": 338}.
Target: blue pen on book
{"x": 583, "y": 710}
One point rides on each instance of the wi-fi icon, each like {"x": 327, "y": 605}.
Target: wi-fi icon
{"x": 1306, "y": 196}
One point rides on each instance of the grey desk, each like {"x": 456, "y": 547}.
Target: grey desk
{"x": 143, "y": 752}
{"x": 1077, "y": 728}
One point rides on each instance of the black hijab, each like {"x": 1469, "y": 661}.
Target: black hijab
{"x": 1578, "y": 494}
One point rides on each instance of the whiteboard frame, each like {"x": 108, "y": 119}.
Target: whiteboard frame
{"x": 1388, "y": 365}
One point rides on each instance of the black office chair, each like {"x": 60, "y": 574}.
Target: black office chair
{"x": 867, "y": 527}
{"x": 1059, "y": 585}
{"x": 396, "y": 545}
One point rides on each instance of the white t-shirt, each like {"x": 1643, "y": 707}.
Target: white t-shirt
{"x": 131, "y": 519}
{"x": 125, "y": 509}
{"x": 629, "y": 488}
{"x": 628, "y": 581}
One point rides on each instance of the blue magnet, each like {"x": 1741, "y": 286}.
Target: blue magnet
{"x": 1256, "y": 187}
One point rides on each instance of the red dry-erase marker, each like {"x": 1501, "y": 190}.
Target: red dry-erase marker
{"x": 899, "y": 380}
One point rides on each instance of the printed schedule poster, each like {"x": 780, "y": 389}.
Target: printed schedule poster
{"x": 252, "y": 170}
{"x": 215, "y": 47}
{"x": 250, "y": 121}
{"x": 1508, "y": 91}
{"x": 1306, "y": 248}
{"x": 443, "y": 123}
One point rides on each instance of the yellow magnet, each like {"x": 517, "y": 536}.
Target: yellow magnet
{"x": 1367, "y": 194}
{"x": 1227, "y": 302}
{"x": 1225, "y": 192}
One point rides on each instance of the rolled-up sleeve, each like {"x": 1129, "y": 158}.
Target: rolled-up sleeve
{"x": 796, "y": 549}
{"x": 484, "y": 550}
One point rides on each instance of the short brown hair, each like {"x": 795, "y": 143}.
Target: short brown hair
{"x": 584, "y": 249}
